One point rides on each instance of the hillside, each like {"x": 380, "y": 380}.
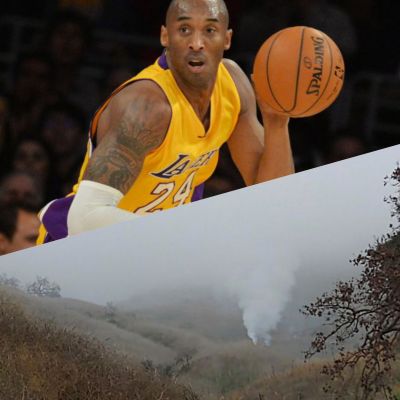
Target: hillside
{"x": 199, "y": 342}
{"x": 39, "y": 360}
{"x": 70, "y": 347}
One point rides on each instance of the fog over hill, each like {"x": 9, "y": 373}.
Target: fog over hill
{"x": 258, "y": 247}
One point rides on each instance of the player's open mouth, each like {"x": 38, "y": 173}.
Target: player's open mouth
{"x": 196, "y": 66}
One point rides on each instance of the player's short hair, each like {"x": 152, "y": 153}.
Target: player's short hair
{"x": 224, "y": 10}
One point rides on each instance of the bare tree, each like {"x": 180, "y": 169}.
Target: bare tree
{"x": 366, "y": 309}
{"x": 9, "y": 281}
{"x": 43, "y": 288}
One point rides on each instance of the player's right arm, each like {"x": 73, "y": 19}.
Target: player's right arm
{"x": 134, "y": 123}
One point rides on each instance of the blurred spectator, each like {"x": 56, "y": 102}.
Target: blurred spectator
{"x": 32, "y": 156}
{"x": 68, "y": 37}
{"x": 19, "y": 227}
{"x": 343, "y": 146}
{"x": 63, "y": 129}
{"x": 90, "y": 8}
{"x": 18, "y": 187}
{"x": 29, "y": 96}
{"x": 67, "y": 41}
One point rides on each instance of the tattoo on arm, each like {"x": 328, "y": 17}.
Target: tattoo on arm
{"x": 118, "y": 159}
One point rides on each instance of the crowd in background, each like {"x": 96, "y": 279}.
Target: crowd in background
{"x": 75, "y": 52}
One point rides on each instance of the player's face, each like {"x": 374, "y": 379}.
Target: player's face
{"x": 196, "y": 37}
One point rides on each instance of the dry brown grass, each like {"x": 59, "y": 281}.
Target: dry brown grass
{"x": 304, "y": 382}
{"x": 39, "y": 361}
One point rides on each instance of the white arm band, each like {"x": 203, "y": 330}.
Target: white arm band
{"x": 95, "y": 206}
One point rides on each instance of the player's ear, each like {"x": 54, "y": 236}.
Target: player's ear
{"x": 228, "y": 39}
{"x": 164, "y": 36}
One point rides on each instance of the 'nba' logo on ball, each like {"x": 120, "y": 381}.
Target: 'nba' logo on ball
{"x": 307, "y": 62}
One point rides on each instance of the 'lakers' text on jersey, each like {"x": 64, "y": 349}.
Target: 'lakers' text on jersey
{"x": 173, "y": 173}
{"x": 188, "y": 155}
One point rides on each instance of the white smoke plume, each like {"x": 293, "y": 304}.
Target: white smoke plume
{"x": 262, "y": 289}
{"x": 248, "y": 244}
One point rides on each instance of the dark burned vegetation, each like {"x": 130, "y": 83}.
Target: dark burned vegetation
{"x": 367, "y": 309}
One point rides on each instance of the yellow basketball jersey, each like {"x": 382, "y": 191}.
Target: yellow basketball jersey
{"x": 188, "y": 155}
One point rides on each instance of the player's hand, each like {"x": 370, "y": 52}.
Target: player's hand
{"x": 270, "y": 116}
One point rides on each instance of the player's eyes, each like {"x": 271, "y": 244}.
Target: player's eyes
{"x": 184, "y": 29}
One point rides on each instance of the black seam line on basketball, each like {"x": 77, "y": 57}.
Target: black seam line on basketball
{"x": 329, "y": 78}
{"x": 269, "y": 83}
{"x": 297, "y": 75}
{"x": 298, "y": 70}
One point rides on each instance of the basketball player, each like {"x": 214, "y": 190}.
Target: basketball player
{"x": 156, "y": 139}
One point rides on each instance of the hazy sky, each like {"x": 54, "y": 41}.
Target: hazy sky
{"x": 250, "y": 244}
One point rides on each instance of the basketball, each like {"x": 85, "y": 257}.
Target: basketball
{"x": 298, "y": 71}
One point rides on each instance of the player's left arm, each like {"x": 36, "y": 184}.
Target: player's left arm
{"x": 261, "y": 152}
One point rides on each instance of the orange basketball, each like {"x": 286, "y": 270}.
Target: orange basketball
{"x": 298, "y": 71}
